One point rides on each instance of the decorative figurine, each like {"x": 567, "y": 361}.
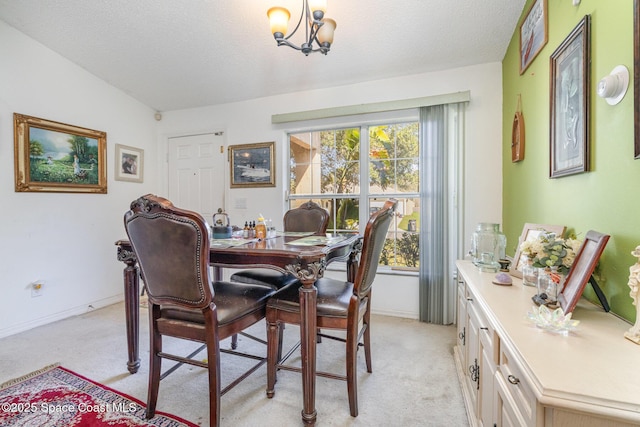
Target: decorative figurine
{"x": 633, "y": 333}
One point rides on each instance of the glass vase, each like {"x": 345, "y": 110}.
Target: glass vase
{"x": 529, "y": 272}
{"x": 550, "y": 284}
{"x": 488, "y": 245}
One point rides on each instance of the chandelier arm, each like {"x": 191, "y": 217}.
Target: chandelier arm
{"x": 314, "y": 32}
{"x": 286, "y": 42}
{"x": 302, "y": 14}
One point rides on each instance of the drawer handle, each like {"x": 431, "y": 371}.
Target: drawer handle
{"x": 485, "y": 329}
{"x": 513, "y": 380}
{"x": 470, "y": 299}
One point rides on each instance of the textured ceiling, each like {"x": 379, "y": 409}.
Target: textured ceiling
{"x": 175, "y": 54}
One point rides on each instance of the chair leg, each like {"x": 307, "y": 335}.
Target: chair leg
{"x": 367, "y": 338}
{"x": 155, "y": 364}
{"x": 274, "y": 348}
{"x": 280, "y": 340}
{"x": 234, "y": 341}
{"x": 351, "y": 359}
{"x": 213, "y": 362}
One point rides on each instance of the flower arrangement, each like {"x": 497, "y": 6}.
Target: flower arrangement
{"x": 548, "y": 250}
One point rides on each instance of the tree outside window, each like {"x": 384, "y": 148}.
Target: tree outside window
{"x": 325, "y": 166}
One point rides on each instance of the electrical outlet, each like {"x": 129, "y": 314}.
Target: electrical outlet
{"x": 36, "y": 288}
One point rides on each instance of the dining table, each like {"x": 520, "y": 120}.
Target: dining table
{"x": 304, "y": 256}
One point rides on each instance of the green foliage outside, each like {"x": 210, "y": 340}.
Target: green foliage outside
{"x": 393, "y": 168}
{"x": 62, "y": 170}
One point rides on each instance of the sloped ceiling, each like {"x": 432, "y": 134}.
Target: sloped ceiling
{"x": 177, "y": 54}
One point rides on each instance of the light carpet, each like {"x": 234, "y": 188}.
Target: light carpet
{"x": 413, "y": 382}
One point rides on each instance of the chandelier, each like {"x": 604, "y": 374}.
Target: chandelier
{"x": 318, "y": 29}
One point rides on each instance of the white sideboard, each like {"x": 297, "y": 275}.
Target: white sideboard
{"x": 515, "y": 374}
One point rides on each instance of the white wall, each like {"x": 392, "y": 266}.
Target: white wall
{"x": 250, "y": 122}
{"x": 65, "y": 239}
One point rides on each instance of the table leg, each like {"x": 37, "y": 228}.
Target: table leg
{"x": 132, "y": 307}
{"x": 308, "y": 295}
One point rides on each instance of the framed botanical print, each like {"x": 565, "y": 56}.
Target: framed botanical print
{"x": 570, "y": 103}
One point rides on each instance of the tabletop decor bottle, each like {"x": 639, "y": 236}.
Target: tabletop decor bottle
{"x": 261, "y": 228}
{"x": 529, "y": 272}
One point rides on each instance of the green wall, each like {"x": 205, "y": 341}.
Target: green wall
{"x": 604, "y": 198}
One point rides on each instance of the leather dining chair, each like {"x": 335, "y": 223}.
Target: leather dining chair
{"x": 341, "y": 305}
{"x": 172, "y": 249}
{"x": 308, "y": 217}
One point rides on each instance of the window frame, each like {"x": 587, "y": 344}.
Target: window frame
{"x": 363, "y": 122}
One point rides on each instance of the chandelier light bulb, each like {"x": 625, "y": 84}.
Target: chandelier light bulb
{"x": 318, "y": 29}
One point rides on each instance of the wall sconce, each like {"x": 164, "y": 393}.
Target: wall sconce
{"x": 576, "y": 2}
{"x": 614, "y": 86}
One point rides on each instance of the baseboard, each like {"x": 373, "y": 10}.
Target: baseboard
{"x": 25, "y": 326}
{"x": 395, "y": 313}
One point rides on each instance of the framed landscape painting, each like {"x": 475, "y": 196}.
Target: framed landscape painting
{"x": 252, "y": 165}
{"x": 57, "y": 157}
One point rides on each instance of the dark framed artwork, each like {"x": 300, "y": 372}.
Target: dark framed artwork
{"x": 534, "y": 33}
{"x": 586, "y": 260}
{"x": 636, "y": 77}
{"x": 570, "y": 103}
{"x": 56, "y": 157}
{"x": 129, "y": 163}
{"x": 252, "y": 165}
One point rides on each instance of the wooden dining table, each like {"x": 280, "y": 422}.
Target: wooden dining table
{"x": 304, "y": 257}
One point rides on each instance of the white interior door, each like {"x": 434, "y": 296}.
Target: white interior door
{"x": 197, "y": 173}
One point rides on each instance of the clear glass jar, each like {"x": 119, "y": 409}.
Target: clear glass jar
{"x": 488, "y": 245}
{"x": 549, "y": 285}
{"x": 529, "y": 272}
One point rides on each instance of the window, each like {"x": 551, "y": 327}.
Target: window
{"x": 326, "y": 167}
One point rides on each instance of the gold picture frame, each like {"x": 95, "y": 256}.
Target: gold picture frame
{"x": 56, "y": 157}
{"x": 531, "y": 232}
{"x": 534, "y": 33}
{"x": 129, "y": 163}
{"x": 252, "y": 165}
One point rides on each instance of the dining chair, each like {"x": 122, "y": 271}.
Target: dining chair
{"x": 308, "y": 217}
{"x": 341, "y": 305}
{"x": 172, "y": 249}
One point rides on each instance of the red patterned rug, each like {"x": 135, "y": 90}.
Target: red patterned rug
{"x": 55, "y": 396}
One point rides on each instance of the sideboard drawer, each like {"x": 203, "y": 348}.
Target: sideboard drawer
{"x": 518, "y": 388}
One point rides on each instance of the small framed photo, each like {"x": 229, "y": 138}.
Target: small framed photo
{"x": 534, "y": 33}
{"x": 586, "y": 260}
{"x": 129, "y": 163}
{"x": 57, "y": 157}
{"x": 570, "y": 101}
{"x": 530, "y": 232}
{"x": 252, "y": 165}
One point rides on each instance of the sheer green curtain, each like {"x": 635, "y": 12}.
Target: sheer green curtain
{"x": 442, "y": 155}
